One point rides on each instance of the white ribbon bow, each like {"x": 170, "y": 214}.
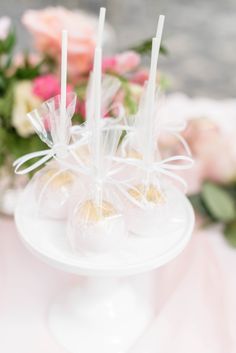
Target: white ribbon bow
{"x": 165, "y": 166}
{"x": 58, "y": 151}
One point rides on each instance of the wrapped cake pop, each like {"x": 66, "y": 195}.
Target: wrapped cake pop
{"x": 109, "y": 88}
{"x": 96, "y": 223}
{"x": 54, "y": 184}
{"x": 147, "y": 209}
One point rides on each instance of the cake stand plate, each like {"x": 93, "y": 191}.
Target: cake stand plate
{"x": 105, "y": 312}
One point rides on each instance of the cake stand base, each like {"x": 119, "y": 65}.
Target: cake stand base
{"x": 103, "y": 315}
{"x": 107, "y": 313}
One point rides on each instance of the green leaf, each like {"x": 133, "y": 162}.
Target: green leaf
{"x": 28, "y": 71}
{"x": 7, "y": 45}
{"x": 219, "y": 203}
{"x": 6, "y": 105}
{"x": 200, "y": 209}
{"x": 197, "y": 204}
{"x": 130, "y": 103}
{"x": 3, "y": 82}
{"x": 78, "y": 118}
{"x": 145, "y": 48}
{"x": 230, "y": 233}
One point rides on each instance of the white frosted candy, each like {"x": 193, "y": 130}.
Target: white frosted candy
{"x": 153, "y": 213}
{"x": 54, "y": 189}
{"x": 94, "y": 229}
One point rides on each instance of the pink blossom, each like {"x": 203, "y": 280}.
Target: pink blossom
{"x": 46, "y": 26}
{"x": 121, "y": 63}
{"x": 213, "y": 148}
{"x": 208, "y": 144}
{"x": 33, "y": 59}
{"x": 140, "y": 77}
{"x": 47, "y": 86}
{"x": 5, "y": 26}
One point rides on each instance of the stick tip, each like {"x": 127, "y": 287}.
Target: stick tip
{"x": 101, "y": 22}
{"x": 64, "y": 32}
{"x": 162, "y": 18}
{"x": 102, "y": 11}
{"x": 160, "y": 25}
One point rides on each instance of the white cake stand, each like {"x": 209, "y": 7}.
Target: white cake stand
{"x": 104, "y": 313}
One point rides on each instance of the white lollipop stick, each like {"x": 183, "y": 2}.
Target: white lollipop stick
{"x": 160, "y": 27}
{"x": 97, "y": 103}
{"x": 101, "y": 22}
{"x": 63, "y": 114}
{"x": 156, "y": 44}
{"x": 151, "y": 89}
{"x": 97, "y": 58}
{"x": 96, "y": 86}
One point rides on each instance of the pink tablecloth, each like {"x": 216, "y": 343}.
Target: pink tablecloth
{"x": 196, "y": 299}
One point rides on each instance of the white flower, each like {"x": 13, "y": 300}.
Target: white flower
{"x": 24, "y": 102}
{"x": 5, "y": 25}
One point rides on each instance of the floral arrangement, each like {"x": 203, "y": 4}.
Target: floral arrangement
{"x": 210, "y": 134}
{"x": 27, "y": 79}
{"x": 215, "y": 155}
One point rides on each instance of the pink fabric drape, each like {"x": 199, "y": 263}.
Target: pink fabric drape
{"x": 195, "y": 300}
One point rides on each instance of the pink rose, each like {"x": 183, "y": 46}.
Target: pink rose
{"x": 121, "y": 63}
{"x": 208, "y": 144}
{"x": 140, "y": 77}
{"x": 46, "y": 26}
{"x": 47, "y": 86}
{"x": 213, "y": 148}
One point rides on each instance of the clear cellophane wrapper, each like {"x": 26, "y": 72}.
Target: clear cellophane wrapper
{"x": 53, "y": 187}
{"x": 55, "y": 182}
{"x": 147, "y": 204}
{"x": 51, "y": 126}
{"x": 96, "y": 223}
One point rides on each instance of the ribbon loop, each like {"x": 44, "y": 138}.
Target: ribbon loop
{"x": 45, "y": 154}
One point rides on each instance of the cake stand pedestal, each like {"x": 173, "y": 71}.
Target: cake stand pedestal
{"x": 105, "y": 313}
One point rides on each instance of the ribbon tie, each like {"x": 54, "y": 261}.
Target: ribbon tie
{"x": 166, "y": 166}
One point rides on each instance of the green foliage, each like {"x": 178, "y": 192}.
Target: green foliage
{"x": 7, "y": 45}
{"x": 78, "y": 119}
{"x": 146, "y": 46}
{"x": 6, "y": 105}
{"x": 129, "y": 103}
{"x": 13, "y": 146}
{"x": 217, "y": 204}
{"x": 198, "y": 204}
{"x": 28, "y": 71}
{"x": 230, "y": 233}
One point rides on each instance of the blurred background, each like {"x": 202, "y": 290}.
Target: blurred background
{"x": 200, "y": 36}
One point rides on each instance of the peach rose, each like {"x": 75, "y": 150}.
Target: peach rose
{"x": 210, "y": 134}
{"x": 46, "y": 26}
{"x": 121, "y": 63}
{"x": 213, "y": 148}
